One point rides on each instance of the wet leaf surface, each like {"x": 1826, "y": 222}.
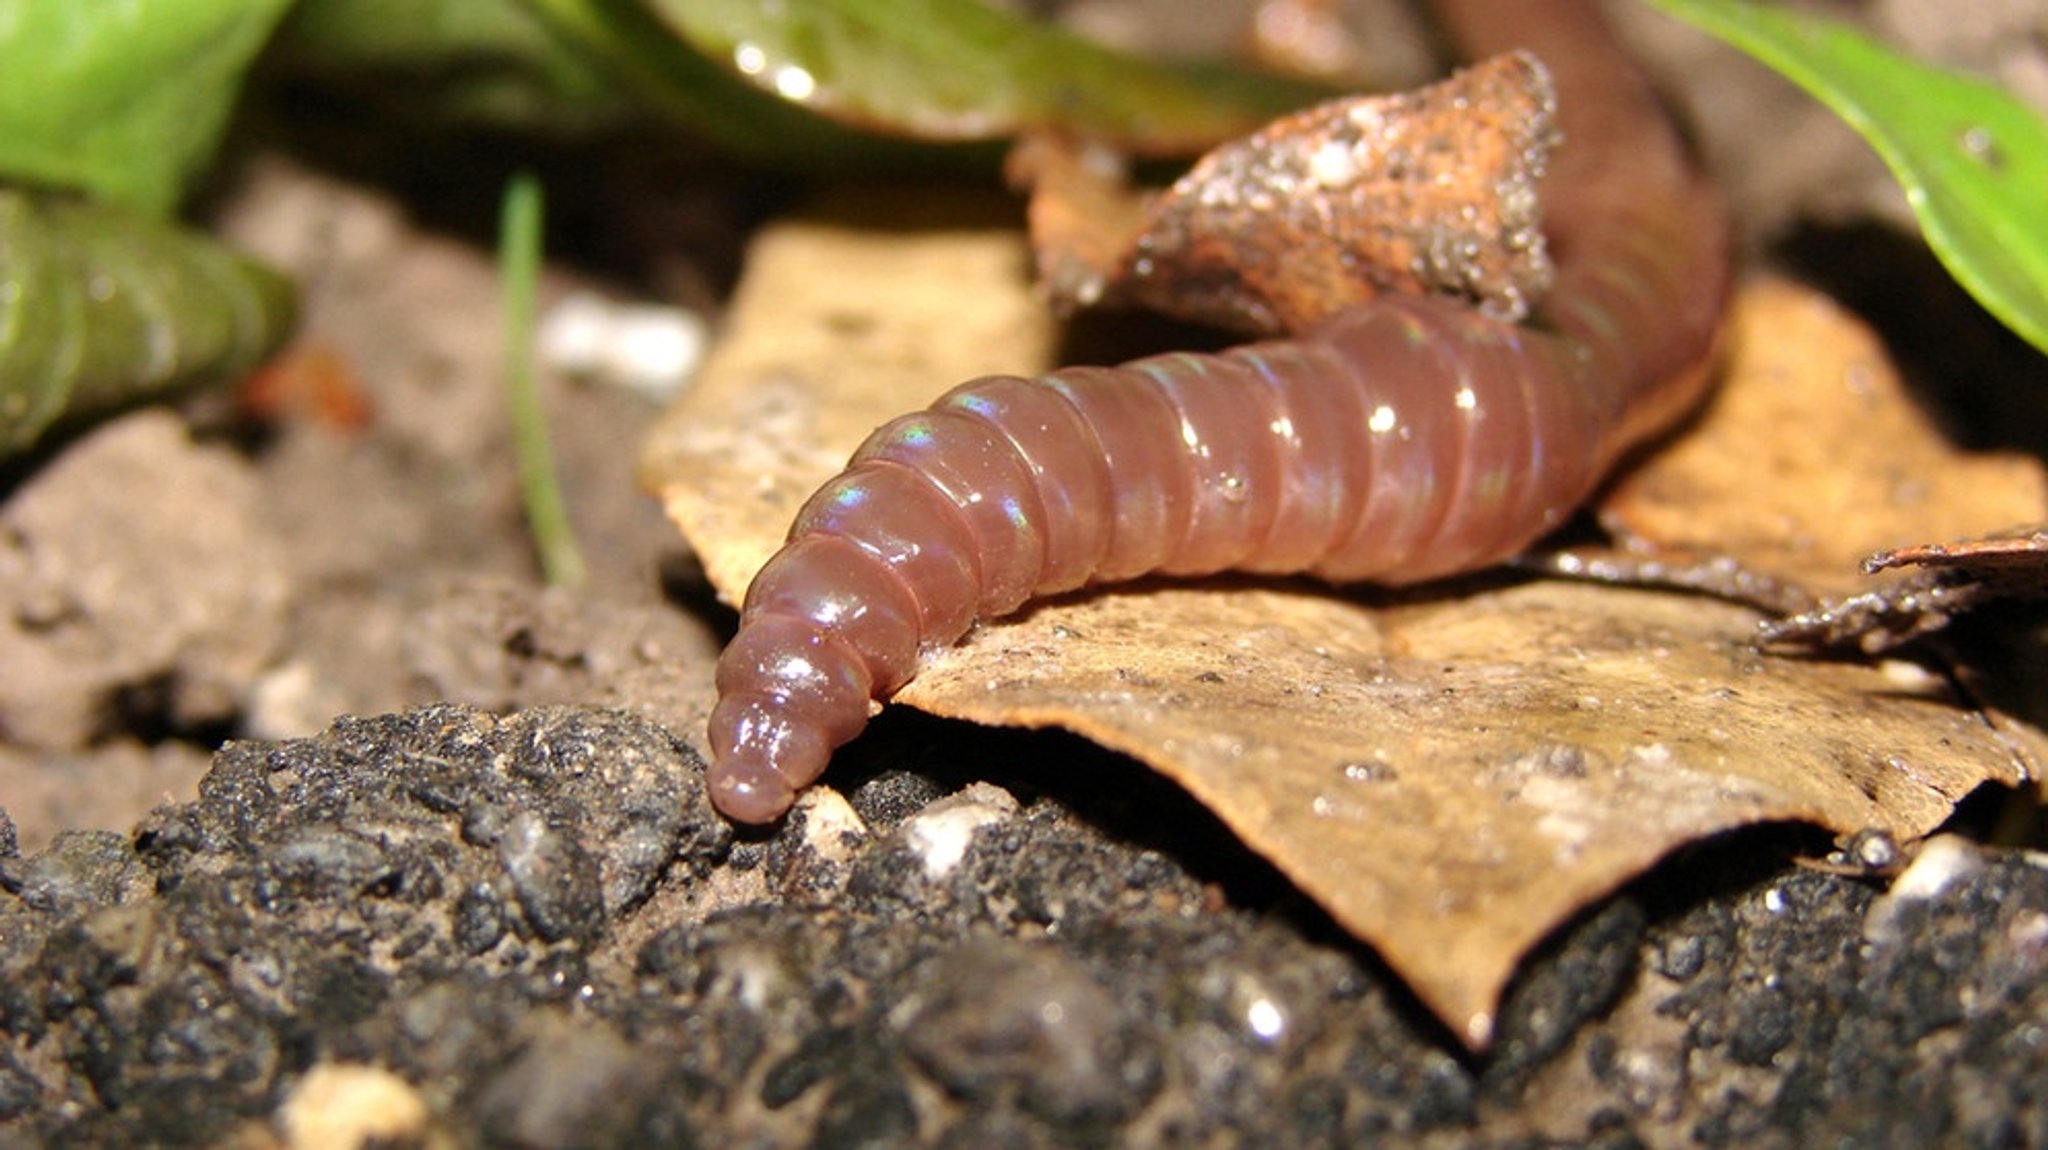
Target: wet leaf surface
{"x": 1451, "y": 773}
{"x": 948, "y": 70}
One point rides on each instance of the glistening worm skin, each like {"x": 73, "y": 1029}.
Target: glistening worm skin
{"x": 1403, "y": 440}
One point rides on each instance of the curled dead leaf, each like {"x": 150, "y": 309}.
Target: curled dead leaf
{"x": 1427, "y": 191}
{"x": 1948, "y": 579}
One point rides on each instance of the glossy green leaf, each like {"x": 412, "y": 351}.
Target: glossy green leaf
{"x": 122, "y": 100}
{"x": 644, "y": 57}
{"x": 102, "y": 307}
{"x": 1972, "y": 158}
{"x": 960, "y": 69}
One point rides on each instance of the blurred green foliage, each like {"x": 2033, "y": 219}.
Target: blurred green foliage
{"x": 1972, "y": 158}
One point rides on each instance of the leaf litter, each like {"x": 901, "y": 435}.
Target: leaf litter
{"x": 1451, "y": 773}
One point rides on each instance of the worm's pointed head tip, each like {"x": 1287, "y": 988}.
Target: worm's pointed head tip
{"x": 753, "y": 797}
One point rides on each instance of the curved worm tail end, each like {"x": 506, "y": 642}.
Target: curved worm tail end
{"x": 880, "y": 563}
{"x": 786, "y": 698}
{"x": 826, "y": 627}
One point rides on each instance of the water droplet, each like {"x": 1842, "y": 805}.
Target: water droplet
{"x": 794, "y": 83}
{"x": 1371, "y": 772}
{"x": 1982, "y": 147}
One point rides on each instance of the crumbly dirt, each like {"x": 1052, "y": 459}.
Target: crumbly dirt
{"x": 500, "y": 884}
{"x": 539, "y": 934}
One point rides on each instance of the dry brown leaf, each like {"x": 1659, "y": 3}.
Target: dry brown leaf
{"x": 1430, "y": 191}
{"x": 1812, "y": 456}
{"x": 1451, "y": 778}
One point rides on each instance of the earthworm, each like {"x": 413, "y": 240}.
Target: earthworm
{"x": 1404, "y": 439}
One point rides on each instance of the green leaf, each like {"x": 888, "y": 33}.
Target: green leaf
{"x": 1973, "y": 159}
{"x": 959, "y": 69}
{"x": 122, "y": 100}
{"x": 102, "y": 307}
{"x": 462, "y": 62}
{"x": 642, "y": 56}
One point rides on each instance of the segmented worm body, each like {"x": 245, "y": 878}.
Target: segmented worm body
{"x": 1403, "y": 440}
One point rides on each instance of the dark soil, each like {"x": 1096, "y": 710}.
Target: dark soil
{"x": 537, "y": 923}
